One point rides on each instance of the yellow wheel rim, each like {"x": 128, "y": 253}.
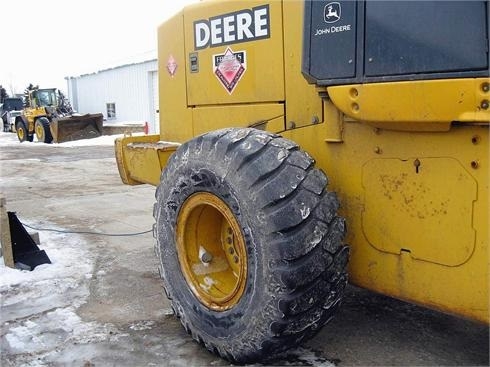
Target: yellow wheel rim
{"x": 211, "y": 251}
{"x": 21, "y": 133}
{"x": 40, "y": 132}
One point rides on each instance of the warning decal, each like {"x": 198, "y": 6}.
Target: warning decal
{"x": 229, "y": 68}
{"x": 171, "y": 65}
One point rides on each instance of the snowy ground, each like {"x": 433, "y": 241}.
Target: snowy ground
{"x": 9, "y": 139}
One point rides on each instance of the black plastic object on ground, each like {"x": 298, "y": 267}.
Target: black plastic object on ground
{"x": 24, "y": 249}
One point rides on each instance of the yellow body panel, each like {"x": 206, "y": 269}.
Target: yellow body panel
{"x": 395, "y": 187}
{"x": 213, "y": 118}
{"x": 31, "y": 115}
{"x": 140, "y": 159}
{"x": 175, "y": 115}
{"x": 203, "y": 87}
{"x": 306, "y": 96}
{"x": 409, "y": 163}
{"x": 416, "y": 105}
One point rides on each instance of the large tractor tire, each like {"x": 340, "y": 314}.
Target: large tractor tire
{"x": 22, "y": 132}
{"x": 250, "y": 244}
{"x": 43, "y": 132}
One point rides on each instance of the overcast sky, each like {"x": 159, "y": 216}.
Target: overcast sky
{"x": 43, "y": 41}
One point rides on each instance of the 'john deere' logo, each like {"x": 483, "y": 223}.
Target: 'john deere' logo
{"x": 332, "y": 12}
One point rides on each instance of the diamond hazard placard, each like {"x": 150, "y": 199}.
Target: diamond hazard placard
{"x": 171, "y": 65}
{"x": 229, "y": 68}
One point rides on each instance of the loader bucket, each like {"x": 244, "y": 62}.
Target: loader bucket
{"x": 76, "y": 127}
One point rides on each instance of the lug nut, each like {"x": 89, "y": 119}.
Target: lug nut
{"x": 206, "y": 257}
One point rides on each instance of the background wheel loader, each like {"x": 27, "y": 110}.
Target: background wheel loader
{"x": 46, "y": 116}
{"x": 267, "y": 98}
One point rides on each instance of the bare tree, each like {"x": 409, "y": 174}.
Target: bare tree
{"x": 3, "y": 94}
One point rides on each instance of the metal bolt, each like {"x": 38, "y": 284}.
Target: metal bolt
{"x": 354, "y": 93}
{"x": 485, "y": 87}
{"x": 206, "y": 257}
{"x": 475, "y": 164}
{"x": 315, "y": 120}
{"x": 229, "y": 240}
{"x": 236, "y": 259}
{"x": 377, "y": 150}
{"x": 231, "y": 250}
{"x": 484, "y": 104}
{"x": 355, "y": 107}
{"x": 230, "y": 231}
{"x": 291, "y": 125}
{"x": 475, "y": 139}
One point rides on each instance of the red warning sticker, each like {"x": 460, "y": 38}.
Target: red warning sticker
{"x": 229, "y": 68}
{"x": 171, "y": 65}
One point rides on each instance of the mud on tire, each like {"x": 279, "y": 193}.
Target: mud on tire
{"x": 296, "y": 260}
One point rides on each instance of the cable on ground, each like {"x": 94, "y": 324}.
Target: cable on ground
{"x": 88, "y": 232}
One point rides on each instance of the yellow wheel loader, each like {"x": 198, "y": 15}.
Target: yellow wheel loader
{"x": 44, "y": 117}
{"x": 260, "y": 102}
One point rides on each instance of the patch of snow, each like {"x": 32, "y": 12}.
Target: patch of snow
{"x": 7, "y": 139}
{"x": 69, "y": 259}
{"x": 142, "y": 325}
{"x": 303, "y": 357}
{"x": 47, "y": 331}
{"x": 101, "y": 272}
{"x": 39, "y": 307}
{"x": 304, "y": 210}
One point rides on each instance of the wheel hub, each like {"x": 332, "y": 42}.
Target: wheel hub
{"x": 20, "y": 133}
{"x": 211, "y": 251}
{"x": 40, "y": 131}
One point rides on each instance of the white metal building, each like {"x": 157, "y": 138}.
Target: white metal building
{"x": 127, "y": 93}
